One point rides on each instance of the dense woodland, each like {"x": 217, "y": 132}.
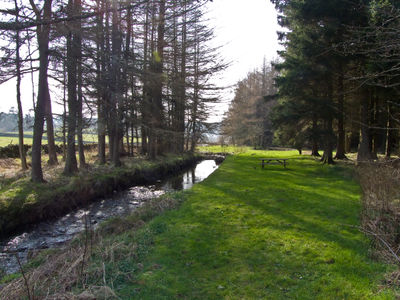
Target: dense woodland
{"x": 140, "y": 69}
{"x": 338, "y": 83}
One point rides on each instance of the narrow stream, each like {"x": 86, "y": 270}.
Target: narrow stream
{"x": 55, "y": 233}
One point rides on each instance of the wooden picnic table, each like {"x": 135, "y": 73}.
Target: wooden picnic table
{"x": 270, "y": 161}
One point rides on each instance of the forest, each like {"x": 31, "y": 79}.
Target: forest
{"x": 141, "y": 70}
{"x": 335, "y": 86}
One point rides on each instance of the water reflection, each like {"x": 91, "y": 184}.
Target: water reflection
{"x": 190, "y": 177}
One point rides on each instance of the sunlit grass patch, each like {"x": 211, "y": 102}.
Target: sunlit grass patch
{"x": 253, "y": 233}
{"x": 222, "y": 149}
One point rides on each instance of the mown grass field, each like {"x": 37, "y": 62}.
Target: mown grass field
{"x": 250, "y": 233}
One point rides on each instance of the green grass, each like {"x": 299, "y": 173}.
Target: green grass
{"x": 251, "y": 233}
{"x": 12, "y": 138}
{"x": 6, "y": 140}
{"x": 223, "y": 149}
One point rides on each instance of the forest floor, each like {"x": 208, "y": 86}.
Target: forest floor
{"x": 243, "y": 233}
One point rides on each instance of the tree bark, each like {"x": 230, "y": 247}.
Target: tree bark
{"x": 340, "y": 148}
{"x": 329, "y": 137}
{"x": 389, "y": 132}
{"x": 101, "y": 95}
{"x": 314, "y": 148}
{"x": 81, "y": 151}
{"x": 71, "y": 165}
{"x": 64, "y": 116}
{"x": 156, "y": 66}
{"x": 21, "y": 149}
{"x": 180, "y": 109}
{"x": 327, "y": 156}
{"x": 364, "y": 150}
{"x": 115, "y": 86}
{"x": 43, "y": 32}
{"x": 50, "y": 130}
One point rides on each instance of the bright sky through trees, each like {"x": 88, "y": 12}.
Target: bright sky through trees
{"x": 245, "y": 28}
{"x": 247, "y": 31}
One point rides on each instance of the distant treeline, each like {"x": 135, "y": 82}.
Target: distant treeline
{"x": 9, "y": 122}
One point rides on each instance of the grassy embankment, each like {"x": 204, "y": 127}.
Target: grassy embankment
{"x": 243, "y": 233}
{"x": 23, "y": 202}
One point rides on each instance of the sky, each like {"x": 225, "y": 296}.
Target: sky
{"x": 246, "y": 30}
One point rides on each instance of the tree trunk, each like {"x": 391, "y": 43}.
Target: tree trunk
{"x": 389, "y": 132}
{"x": 329, "y": 137}
{"x": 180, "y": 109}
{"x": 314, "y": 148}
{"x": 101, "y": 95}
{"x": 193, "y": 135}
{"x": 364, "y": 151}
{"x": 71, "y": 165}
{"x": 340, "y": 149}
{"x": 101, "y": 132}
{"x": 156, "y": 67}
{"x": 81, "y": 151}
{"x": 50, "y": 130}
{"x": 43, "y": 32}
{"x": 21, "y": 149}
{"x": 64, "y": 116}
{"x": 115, "y": 131}
{"x": 327, "y": 156}
{"x": 145, "y": 103}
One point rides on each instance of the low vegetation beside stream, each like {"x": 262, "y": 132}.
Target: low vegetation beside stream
{"x": 23, "y": 202}
{"x": 243, "y": 233}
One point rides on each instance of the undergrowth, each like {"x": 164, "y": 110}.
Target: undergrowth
{"x": 381, "y": 210}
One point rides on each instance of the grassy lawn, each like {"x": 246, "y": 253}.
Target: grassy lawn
{"x": 223, "y": 149}
{"x": 243, "y": 233}
{"x": 252, "y": 233}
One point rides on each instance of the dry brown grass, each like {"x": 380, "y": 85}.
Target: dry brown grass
{"x": 380, "y": 217}
{"x": 10, "y": 168}
{"x": 68, "y": 269}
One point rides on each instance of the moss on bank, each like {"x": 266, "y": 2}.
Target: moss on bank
{"x": 23, "y": 202}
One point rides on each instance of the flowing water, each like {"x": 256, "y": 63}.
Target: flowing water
{"x": 55, "y": 233}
